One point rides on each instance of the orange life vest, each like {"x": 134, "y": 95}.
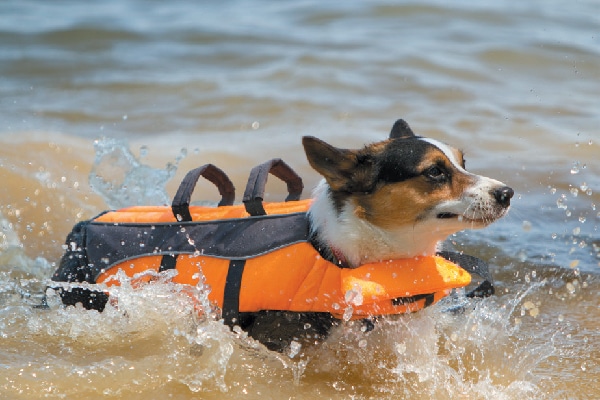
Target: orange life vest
{"x": 297, "y": 278}
{"x": 250, "y": 262}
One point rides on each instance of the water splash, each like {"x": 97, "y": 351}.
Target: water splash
{"x": 8, "y": 236}
{"x": 121, "y": 178}
{"x": 163, "y": 331}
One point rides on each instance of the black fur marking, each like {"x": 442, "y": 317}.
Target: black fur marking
{"x": 339, "y": 198}
{"x": 401, "y": 130}
{"x": 398, "y": 161}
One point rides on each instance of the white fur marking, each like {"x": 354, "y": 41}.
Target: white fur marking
{"x": 447, "y": 152}
{"x": 361, "y": 242}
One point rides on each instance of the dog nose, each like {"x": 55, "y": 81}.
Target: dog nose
{"x": 503, "y": 195}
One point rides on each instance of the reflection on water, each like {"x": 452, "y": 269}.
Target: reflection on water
{"x": 111, "y": 106}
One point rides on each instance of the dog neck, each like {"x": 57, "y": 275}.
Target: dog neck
{"x": 345, "y": 238}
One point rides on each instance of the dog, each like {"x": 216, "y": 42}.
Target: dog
{"x": 398, "y": 198}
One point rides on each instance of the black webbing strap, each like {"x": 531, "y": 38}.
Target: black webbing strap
{"x": 429, "y": 299}
{"x": 181, "y": 201}
{"x": 255, "y": 189}
{"x": 231, "y": 297}
{"x": 473, "y": 265}
{"x": 168, "y": 261}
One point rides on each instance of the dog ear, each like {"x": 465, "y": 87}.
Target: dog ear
{"x": 401, "y": 130}
{"x": 337, "y": 165}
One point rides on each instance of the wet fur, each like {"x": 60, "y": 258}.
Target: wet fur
{"x": 398, "y": 198}
{"x": 393, "y": 199}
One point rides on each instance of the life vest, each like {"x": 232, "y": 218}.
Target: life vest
{"x": 254, "y": 256}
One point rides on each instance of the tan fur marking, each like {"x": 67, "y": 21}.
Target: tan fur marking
{"x": 459, "y": 156}
{"x": 360, "y": 212}
{"x": 459, "y": 182}
{"x": 397, "y": 204}
{"x": 402, "y": 203}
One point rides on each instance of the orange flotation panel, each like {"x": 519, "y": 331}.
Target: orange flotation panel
{"x": 297, "y": 278}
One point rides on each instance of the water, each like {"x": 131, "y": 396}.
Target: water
{"x": 110, "y": 104}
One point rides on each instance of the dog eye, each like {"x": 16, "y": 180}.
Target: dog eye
{"x": 435, "y": 173}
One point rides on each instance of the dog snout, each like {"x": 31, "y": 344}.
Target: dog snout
{"x": 503, "y": 195}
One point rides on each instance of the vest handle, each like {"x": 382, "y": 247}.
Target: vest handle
{"x": 181, "y": 201}
{"x": 255, "y": 189}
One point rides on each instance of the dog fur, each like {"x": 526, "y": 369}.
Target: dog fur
{"x": 398, "y": 198}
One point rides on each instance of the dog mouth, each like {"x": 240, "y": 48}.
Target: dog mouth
{"x": 446, "y": 215}
{"x": 463, "y": 218}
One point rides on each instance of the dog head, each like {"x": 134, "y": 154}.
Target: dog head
{"x": 397, "y": 198}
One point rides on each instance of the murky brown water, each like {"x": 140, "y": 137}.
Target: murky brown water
{"x": 181, "y": 84}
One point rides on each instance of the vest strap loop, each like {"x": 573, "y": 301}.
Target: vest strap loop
{"x": 181, "y": 201}
{"x": 231, "y": 297}
{"x": 255, "y": 189}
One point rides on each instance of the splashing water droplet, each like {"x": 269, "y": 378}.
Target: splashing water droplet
{"x": 294, "y": 348}
{"x": 401, "y": 348}
{"x": 560, "y": 202}
{"x": 575, "y": 168}
{"x": 354, "y": 296}
{"x": 348, "y": 313}
{"x": 182, "y": 154}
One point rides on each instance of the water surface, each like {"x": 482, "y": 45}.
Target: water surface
{"x": 139, "y": 92}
